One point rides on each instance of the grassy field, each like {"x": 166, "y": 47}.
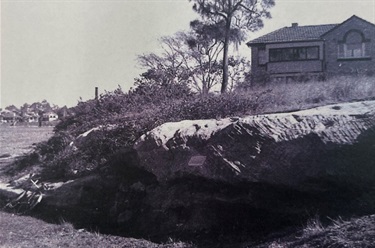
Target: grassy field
{"x": 16, "y": 140}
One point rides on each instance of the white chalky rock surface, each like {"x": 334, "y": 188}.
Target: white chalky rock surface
{"x": 249, "y": 146}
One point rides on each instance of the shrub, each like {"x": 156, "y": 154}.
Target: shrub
{"x": 210, "y": 107}
{"x": 147, "y": 107}
{"x": 282, "y": 97}
{"x": 54, "y": 145}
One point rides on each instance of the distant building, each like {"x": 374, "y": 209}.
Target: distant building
{"x": 315, "y": 50}
{"x": 10, "y": 117}
{"x": 30, "y": 117}
{"x": 50, "y": 116}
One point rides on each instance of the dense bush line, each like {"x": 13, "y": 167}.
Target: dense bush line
{"x": 148, "y": 106}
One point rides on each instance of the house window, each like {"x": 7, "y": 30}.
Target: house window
{"x": 312, "y": 53}
{"x": 354, "y": 45}
{"x": 294, "y": 53}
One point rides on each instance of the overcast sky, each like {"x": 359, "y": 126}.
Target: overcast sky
{"x": 60, "y": 50}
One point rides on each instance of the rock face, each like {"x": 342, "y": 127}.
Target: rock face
{"x": 229, "y": 180}
{"x": 246, "y": 177}
{"x": 280, "y": 149}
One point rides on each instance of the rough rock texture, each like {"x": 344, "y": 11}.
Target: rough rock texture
{"x": 286, "y": 148}
{"x": 216, "y": 182}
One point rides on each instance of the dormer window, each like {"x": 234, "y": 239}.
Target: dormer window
{"x": 353, "y": 46}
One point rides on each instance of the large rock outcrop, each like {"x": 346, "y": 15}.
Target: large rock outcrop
{"x": 282, "y": 149}
{"x": 229, "y": 180}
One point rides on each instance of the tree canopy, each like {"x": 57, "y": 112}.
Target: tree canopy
{"x": 233, "y": 18}
{"x": 190, "y": 58}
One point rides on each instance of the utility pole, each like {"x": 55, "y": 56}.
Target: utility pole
{"x": 96, "y": 93}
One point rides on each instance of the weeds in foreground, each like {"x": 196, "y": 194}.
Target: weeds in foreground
{"x": 358, "y": 232}
{"x": 313, "y": 227}
{"x": 292, "y": 96}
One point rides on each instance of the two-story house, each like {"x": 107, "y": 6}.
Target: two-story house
{"x": 316, "y": 51}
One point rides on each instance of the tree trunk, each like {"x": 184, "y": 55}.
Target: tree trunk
{"x": 224, "y": 84}
{"x": 205, "y": 89}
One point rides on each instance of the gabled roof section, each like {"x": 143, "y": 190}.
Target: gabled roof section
{"x": 301, "y": 33}
{"x": 347, "y": 20}
{"x": 296, "y": 33}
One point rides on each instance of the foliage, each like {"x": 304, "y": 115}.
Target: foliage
{"x": 280, "y": 97}
{"x": 239, "y": 72}
{"x": 169, "y": 67}
{"x": 187, "y": 58}
{"x": 12, "y": 108}
{"x": 55, "y": 144}
{"x": 191, "y": 58}
{"x": 204, "y": 48}
{"x": 35, "y": 109}
{"x": 233, "y": 18}
{"x": 118, "y": 107}
{"x": 121, "y": 118}
{"x": 211, "y": 107}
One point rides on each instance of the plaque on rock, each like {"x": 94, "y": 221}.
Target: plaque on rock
{"x": 197, "y": 160}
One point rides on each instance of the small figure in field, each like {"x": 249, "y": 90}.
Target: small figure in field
{"x": 40, "y": 118}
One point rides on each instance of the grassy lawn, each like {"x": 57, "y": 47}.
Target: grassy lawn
{"x": 19, "y": 139}
{"x": 24, "y": 231}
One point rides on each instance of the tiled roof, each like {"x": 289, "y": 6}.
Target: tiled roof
{"x": 298, "y": 33}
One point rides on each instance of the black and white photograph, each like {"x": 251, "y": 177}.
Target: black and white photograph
{"x": 187, "y": 123}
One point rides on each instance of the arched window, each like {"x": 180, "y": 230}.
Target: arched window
{"x": 354, "y": 45}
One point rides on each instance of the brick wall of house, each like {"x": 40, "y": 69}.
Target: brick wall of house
{"x": 299, "y": 66}
{"x": 294, "y": 67}
{"x": 336, "y": 66}
{"x": 258, "y": 72}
